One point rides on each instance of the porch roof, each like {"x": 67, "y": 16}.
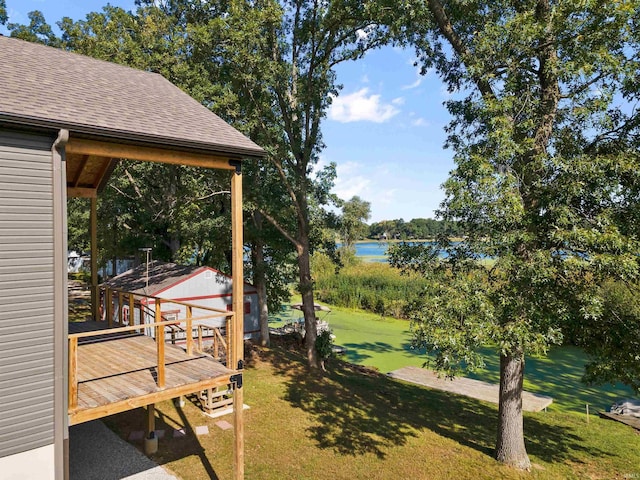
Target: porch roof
{"x": 111, "y": 112}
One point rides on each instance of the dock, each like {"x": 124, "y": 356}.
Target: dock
{"x": 488, "y": 392}
{"x": 626, "y": 419}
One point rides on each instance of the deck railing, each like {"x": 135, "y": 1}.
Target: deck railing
{"x": 157, "y": 326}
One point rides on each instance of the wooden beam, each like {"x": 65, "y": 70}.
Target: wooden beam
{"x": 80, "y": 192}
{"x": 148, "y": 154}
{"x": 93, "y": 227}
{"x": 83, "y": 163}
{"x": 237, "y": 352}
{"x": 82, "y": 416}
{"x": 107, "y": 166}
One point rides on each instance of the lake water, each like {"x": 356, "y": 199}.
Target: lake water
{"x": 375, "y": 251}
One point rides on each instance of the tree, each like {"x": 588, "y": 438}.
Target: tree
{"x": 3, "y": 12}
{"x": 539, "y": 110}
{"x": 613, "y": 339}
{"x": 355, "y": 213}
{"x": 289, "y": 65}
{"x": 38, "y": 30}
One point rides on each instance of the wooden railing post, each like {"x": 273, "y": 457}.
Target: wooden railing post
{"x": 73, "y": 373}
{"x": 228, "y": 331}
{"x": 143, "y": 317}
{"x": 120, "y": 305}
{"x": 160, "y": 343}
{"x": 108, "y": 300}
{"x": 189, "y": 330}
{"x": 132, "y": 311}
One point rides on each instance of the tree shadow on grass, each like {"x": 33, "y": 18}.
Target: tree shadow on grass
{"x": 358, "y": 411}
{"x": 356, "y": 352}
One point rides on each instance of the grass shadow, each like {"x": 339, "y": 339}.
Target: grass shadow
{"x": 357, "y": 352}
{"x": 359, "y": 411}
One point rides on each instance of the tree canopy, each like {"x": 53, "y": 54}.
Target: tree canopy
{"x": 540, "y": 131}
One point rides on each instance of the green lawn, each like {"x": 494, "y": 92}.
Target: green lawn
{"x": 385, "y": 343}
{"x": 350, "y": 424}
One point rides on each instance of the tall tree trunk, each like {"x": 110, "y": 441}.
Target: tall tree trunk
{"x": 306, "y": 289}
{"x": 174, "y": 245}
{"x": 510, "y": 448}
{"x": 306, "y": 284}
{"x": 260, "y": 284}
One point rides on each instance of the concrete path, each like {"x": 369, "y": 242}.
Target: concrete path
{"x": 96, "y": 453}
{"x": 531, "y": 402}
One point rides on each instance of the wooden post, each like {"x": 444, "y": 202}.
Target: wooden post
{"x": 189, "y": 330}
{"x": 200, "y": 346}
{"x": 108, "y": 300}
{"x": 150, "y": 440}
{"x": 587, "y": 405}
{"x": 229, "y": 336}
{"x": 151, "y": 419}
{"x": 160, "y": 343}
{"x": 143, "y": 319}
{"x": 237, "y": 340}
{"x": 132, "y": 311}
{"x": 120, "y": 305}
{"x": 73, "y": 373}
{"x": 93, "y": 228}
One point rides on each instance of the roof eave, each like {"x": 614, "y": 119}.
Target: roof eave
{"x": 132, "y": 137}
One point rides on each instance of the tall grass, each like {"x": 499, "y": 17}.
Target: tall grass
{"x": 375, "y": 287}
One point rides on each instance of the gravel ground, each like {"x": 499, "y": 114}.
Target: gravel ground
{"x": 96, "y": 453}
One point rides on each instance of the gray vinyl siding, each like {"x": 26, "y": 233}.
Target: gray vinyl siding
{"x": 26, "y": 293}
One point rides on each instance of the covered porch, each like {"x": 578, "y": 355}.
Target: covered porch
{"x": 117, "y": 364}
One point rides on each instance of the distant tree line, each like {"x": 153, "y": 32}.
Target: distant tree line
{"x": 417, "y": 228}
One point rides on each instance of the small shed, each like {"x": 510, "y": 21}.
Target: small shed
{"x": 204, "y": 286}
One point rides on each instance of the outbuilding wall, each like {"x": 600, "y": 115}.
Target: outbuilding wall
{"x": 210, "y": 288}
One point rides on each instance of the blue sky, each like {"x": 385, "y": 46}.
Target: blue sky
{"x": 384, "y": 131}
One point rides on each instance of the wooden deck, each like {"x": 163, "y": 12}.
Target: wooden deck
{"x": 119, "y": 373}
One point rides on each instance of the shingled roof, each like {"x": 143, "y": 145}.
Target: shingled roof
{"x": 48, "y": 87}
{"x": 162, "y": 275}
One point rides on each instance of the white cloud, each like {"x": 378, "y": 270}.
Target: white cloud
{"x": 365, "y": 78}
{"x": 413, "y": 85}
{"x": 420, "y": 122}
{"x": 350, "y": 181}
{"x": 361, "y": 107}
{"x": 398, "y": 101}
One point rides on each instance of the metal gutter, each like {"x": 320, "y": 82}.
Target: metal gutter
{"x": 124, "y": 136}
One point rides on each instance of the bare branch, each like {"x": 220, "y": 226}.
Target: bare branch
{"x": 279, "y": 227}
{"x": 213, "y": 194}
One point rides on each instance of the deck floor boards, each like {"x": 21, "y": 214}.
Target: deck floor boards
{"x": 124, "y": 367}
